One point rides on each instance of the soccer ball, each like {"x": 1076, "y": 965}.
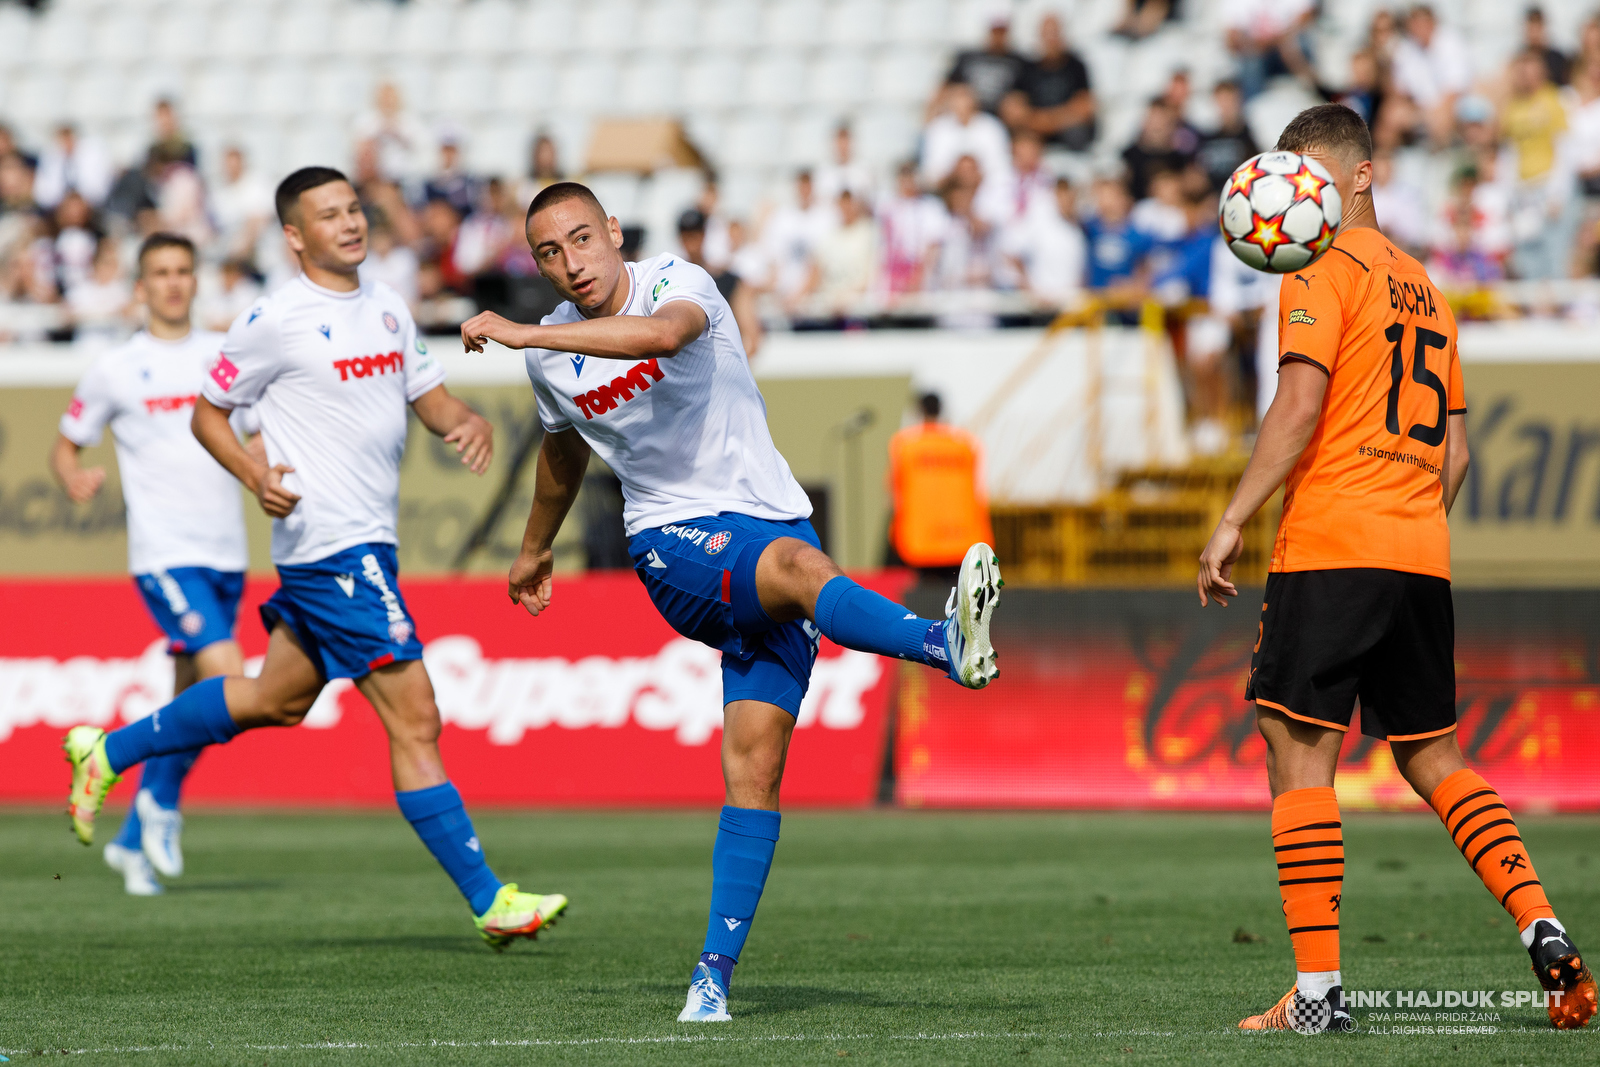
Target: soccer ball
{"x": 1280, "y": 211}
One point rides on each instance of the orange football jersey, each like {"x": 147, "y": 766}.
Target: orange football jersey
{"x": 1367, "y": 491}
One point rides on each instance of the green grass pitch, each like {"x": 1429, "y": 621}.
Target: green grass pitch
{"x": 332, "y": 939}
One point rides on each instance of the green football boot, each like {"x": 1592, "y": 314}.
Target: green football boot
{"x": 514, "y": 915}
{"x": 92, "y": 778}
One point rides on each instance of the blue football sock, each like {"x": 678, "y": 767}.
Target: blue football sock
{"x": 132, "y": 833}
{"x": 858, "y": 618}
{"x": 439, "y": 818}
{"x": 198, "y": 716}
{"x": 723, "y": 965}
{"x": 746, "y": 839}
{"x": 163, "y": 776}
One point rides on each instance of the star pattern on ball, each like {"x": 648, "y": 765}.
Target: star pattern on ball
{"x": 1267, "y": 235}
{"x": 1243, "y": 178}
{"x": 1307, "y": 186}
{"x": 1324, "y": 240}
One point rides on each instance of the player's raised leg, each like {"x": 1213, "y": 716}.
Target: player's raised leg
{"x": 1483, "y": 829}
{"x": 755, "y": 744}
{"x": 402, "y": 694}
{"x": 797, "y": 580}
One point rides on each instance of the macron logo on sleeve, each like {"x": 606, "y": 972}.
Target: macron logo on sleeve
{"x": 223, "y": 372}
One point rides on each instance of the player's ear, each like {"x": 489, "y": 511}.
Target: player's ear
{"x": 292, "y": 238}
{"x": 1364, "y": 176}
{"x": 615, "y": 228}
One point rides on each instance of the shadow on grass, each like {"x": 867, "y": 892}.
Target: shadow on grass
{"x": 415, "y": 942}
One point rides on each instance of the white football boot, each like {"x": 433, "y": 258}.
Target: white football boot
{"x": 137, "y": 876}
{"x": 967, "y": 615}
{"x": 708, "y": 1001}
{"x": 160, "y": 835}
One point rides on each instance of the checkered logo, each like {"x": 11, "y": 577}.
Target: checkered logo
{"x": 1309, "y": 1015}
{"x": 192, "y": 623}
{"x": 717, "y": 542}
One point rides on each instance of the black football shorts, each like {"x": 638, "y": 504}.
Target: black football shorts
{"x": 1328, "y": 638}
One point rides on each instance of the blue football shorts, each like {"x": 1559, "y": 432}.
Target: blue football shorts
{"x": 346, "y": 610}
{"x": 194, "y": 606}
{"x": 701, "y": 576}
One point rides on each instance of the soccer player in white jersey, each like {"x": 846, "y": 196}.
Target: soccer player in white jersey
{"x": 330, "y": 365}
{"x": 717, "y": 525}
{"x": 186, "y": 542}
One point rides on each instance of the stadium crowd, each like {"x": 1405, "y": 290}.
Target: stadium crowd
{"x": 1012, "y": 190}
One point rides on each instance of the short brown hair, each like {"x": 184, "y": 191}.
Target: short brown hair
{"x": 560, "y": 193}
{"x": 157, "y": 241}
{"x": 1332, "y": 128}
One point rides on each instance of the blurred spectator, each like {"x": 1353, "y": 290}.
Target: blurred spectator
{"x": 844, "y": 173}
{"x": 1180, "y": 275}
{"x": 847, "y": 258}
{"x": 391, "y": 262}
{"x": 965, "y": 258}
{"x": 1116, "y": 249}
{"x": 792, "y": 236}
{"x": 1144, "y": 17}
{"x": 1163, "y": 216}
{"x": 1542, "y": 212}
{"x": 1053, "y": 97}
{"x": 1401, "y": 209}
{"x": 398, "y": 138}
{"x": 719, "y": 242}
{"x": 100, "y": 302}
{"x": 1155, "y": 149}
{"x": 912, "y": 224}
{"x": 1047, "y": 249}
{"x": 1461, "y": 265}
{"x": 73, "y": 163}
{"x": 77, "y": 237}
{"x": 181, "y": 199}
{"x": 486, "y": 232}
{"x": 226, "y": 295}
{"x": 740, "y": 297}
{"x": 241, "y": 205}
{"x": 451, "y": 183}
{"x": 170, "y": 142}
{"x": 544, "y": 168}
{"x": 746, "y": 259}
{"x": 9, "y": 147}
{"x": 992, "y": 71}
{"x": 1176, "y": 94}
{"x": 1432, "y": 68}
{"x": 1536, "y": 36}
{"x": 1247, "y": 301}
{"x": 1267, "y": 38}
{"x": 1583, "y": 144}
{"x": 936, "y": 490}
{"x": 1230, "y": 143}
{"x": 441, "y": 229}
{"x": 1028, "y": 181}
{"x": 962, "y": 130}
{"x": 1483, "y": 205}
{"x": 1363, "y": 94}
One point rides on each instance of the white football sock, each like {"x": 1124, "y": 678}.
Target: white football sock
{"x": 1527, "y": 931}
{"x": 1316, "y": 983}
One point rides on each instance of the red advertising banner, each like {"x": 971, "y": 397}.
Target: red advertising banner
{"x": 1135, "y": 700}
{"x": 596, "y": 702}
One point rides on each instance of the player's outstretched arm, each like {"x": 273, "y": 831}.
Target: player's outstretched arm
{"x": 1286, "y": 429}
{"x": 563, "y": 460}
{"x": 81, "y": 483}
{"x": 656, "y": 336}
{"x": 213, "y": 430}
{"x": 449, "y": 417}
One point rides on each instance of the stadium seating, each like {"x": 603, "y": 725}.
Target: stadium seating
{"x": 755, "y": 80}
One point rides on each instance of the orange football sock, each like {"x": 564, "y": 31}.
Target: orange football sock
{"x": 1308, "y": 840}
{"x": 1482, "y": 827}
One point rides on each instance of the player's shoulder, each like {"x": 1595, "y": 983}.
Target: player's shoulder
{"x": 659, "y": 274}
{"x": 386, "y": 295}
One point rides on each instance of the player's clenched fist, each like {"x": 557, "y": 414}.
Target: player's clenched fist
{"x": 529, "y": 583}
{"x": 275, "y": 499}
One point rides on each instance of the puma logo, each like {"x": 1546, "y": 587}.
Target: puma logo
{"x": 1303, "y": 280}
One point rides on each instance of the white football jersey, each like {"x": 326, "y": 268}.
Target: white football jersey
{"x": 687, "y": 436}
{"x": 330, "y": 375}
{"x": 184, "y": 509}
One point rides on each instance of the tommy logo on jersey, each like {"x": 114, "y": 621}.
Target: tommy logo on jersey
{"x": 154, "y": 404}
{"x": 223, "y": 372}
{"x": 363, "y": 366}
{"x": 620, "y": 390}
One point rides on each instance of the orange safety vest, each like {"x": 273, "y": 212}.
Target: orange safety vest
{"x": 939, "y": 505}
